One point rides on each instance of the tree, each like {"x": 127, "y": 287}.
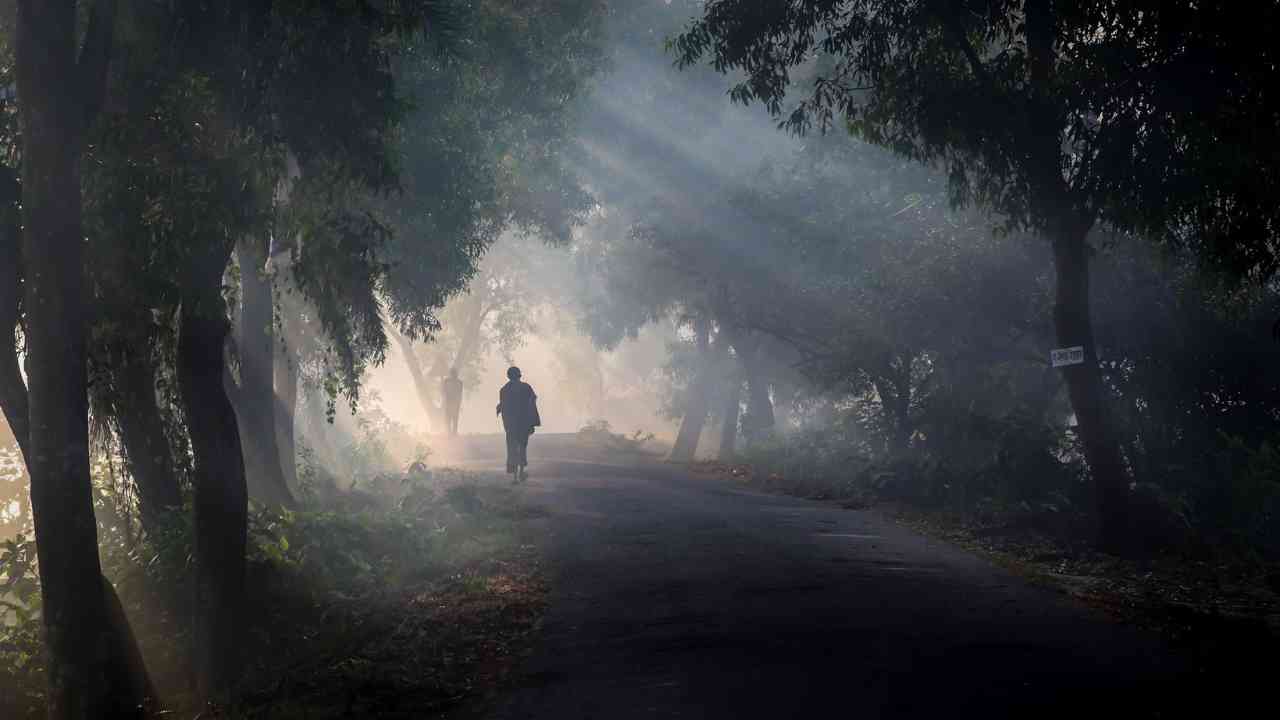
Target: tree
{"x": 190, "y": 167}
{"x": 497, "y": 311}
{"x": 489, "y": 154}
{"x": 91, "y": 670}
{"x": 1056, "y": 117}
{"x": 693, "y": 413}
{"x": 919, "y": 317}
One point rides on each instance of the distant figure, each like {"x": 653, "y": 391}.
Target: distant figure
{"x": 518, "y": 406}
{"x": 452, "y": 390}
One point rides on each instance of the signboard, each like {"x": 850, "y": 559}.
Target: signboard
{"x": 1067, "y": 356}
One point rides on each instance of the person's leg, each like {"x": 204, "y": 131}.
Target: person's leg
{"x": 513, "y": 452}
{"x": 524, "y": 457}
{"x": 517, "y": 454}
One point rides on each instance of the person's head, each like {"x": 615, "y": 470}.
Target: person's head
{"x": 513, "y": 373}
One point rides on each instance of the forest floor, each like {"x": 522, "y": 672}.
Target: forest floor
{"x": 436, "y": 646}
{"x": 1220, "y": 607}
{"x": 427, "y": 636}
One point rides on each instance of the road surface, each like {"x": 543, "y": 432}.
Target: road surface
{"x": 676, "y": 596}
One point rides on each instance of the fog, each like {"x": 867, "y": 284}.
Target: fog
{"x": 576, "y": 382}
{"x": 1001, "y": 273}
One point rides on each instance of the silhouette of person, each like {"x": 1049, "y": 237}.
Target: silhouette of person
{"x": 451, "y": 389}
{"x": 518, "y": 406}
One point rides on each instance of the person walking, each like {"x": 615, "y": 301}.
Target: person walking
{"x": 451, "y": 389}
{"x": 518, "y": 406}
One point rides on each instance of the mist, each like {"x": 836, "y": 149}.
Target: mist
{"x": 569, "y": 358}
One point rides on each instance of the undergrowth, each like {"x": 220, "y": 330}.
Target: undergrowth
{"x": 406, "y": 606}
{"x": 599, "y": 435}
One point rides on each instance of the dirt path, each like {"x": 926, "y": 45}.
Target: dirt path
{"x": 676, "y": 596}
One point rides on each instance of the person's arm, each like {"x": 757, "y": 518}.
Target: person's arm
{"x": 499, "y": 404}
{"x": 534, "y": 418}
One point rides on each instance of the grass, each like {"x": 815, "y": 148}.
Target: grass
{"x": 418, "y": 605}
{"x": 428, "y": 631}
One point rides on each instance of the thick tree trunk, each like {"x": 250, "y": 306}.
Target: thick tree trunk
{"x": 697, "y": 400}
{"x": 257, "y": 406}
{"x": 146, "y": 447}
{"x": 85, "y": 673}
{"x": 129, "y": 675}
{"x": 1074, "y": 326}
{"x": 221, "y": 496}
{"x": 729, "y": 429}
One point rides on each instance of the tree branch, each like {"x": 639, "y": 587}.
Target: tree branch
{"x": 961, "y": 38}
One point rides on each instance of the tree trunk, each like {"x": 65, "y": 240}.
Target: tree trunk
{"x": 1074, "y": 326}
{"x": 729, "y": 429}
{"x": 472, "y": 331}
{"x": 1069, "y": 220}
{"x": 257, "y": 406}
{"x": 286, "y": 382}
{"x": 221, "y": 495}
{"x": 421, "y": 384}
{"x": 785, "y": 394}
{"x": 84, "y": 664}
{"x": 697, "y": 400}
{"x": 146, "y": 447}
{"x": 893, "y": 386}
{"x": 759, "y": 419}
{"x": 13, "y": 389}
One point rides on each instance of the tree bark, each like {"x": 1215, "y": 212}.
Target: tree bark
{"x": 421, "y": 384}
{"x": 1074, "y": 326}
{"x": 759, "y": 419}
{"x": 13, "y": 389}
{"x": 472, "y": 331}
{"x": 1068, "y": 220}
{"x": 257, "y": 406}
{"x": 729, "y": 429}
{"x": 146, "y": 446}
{"x": 221, "y": 495}
{"x": 697, "y": 400}
{"x": 58, "y": 94}
{"x": 286, "y": 382}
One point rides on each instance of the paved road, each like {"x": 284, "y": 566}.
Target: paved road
{"x": 684, "y": 597}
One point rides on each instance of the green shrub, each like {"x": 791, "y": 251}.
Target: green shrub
{"x": 22, "y": 667}
{"x": 1241, "y": 499}
{"x": 814, "y": 462}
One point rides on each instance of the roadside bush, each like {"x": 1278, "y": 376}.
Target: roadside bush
{"x": 599, "y": 434}
{"x": 997, "y": 466}
{"x": 302, "y": 566}
{"x": 991, "y": 469}
{"x": 815, "y": 462}
{"x": 1240, "y": 501}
